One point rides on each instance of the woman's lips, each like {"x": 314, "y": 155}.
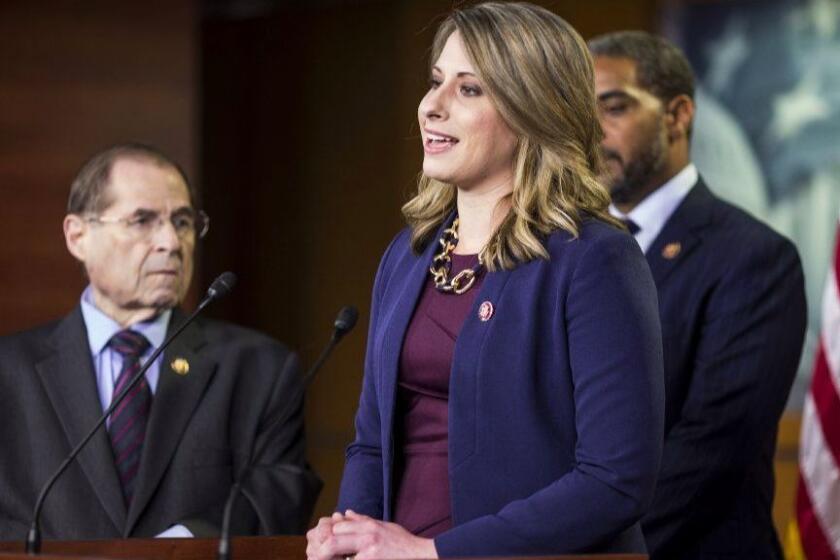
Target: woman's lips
{"x": 438, "y": 143}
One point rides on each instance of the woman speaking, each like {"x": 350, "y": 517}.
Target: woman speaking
{"x": 512, "y": 400}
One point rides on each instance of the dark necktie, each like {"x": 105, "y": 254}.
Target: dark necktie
{"x": 128, "y": 421}
{"x": 632, "y": 226}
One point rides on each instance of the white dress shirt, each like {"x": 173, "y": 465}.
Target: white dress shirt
{"x": 108, "y": 363}
{"x": 652, "y": 212}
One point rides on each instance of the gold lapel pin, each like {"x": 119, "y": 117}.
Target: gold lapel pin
{"x": 671, "y": 250}
{"x": 180, "y": 366}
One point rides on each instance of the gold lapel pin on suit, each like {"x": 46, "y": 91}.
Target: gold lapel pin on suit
{"x": 671, "y": 250}
{"x": 180, "y": 366}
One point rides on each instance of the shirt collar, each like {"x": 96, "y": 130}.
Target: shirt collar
{"x": 100, "y": 327}
{"x": 652, "y": 212}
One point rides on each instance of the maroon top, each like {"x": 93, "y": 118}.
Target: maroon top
{"x": 421, "y": 476}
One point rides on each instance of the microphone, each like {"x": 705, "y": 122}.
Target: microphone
{"x": 344, "y": 323}
{"x": 221, "y": 286}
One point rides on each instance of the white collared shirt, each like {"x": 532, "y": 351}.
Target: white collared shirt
{"x": 652, "y": 212}
{"x": 107, "y": 363}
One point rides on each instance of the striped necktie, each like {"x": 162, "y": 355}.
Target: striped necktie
{"x": 128, "y": 422}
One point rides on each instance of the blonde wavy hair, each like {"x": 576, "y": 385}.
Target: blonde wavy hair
{"x": 538, "y": 73}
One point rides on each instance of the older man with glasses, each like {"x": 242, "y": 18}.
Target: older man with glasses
{"x": 212, "y": 409}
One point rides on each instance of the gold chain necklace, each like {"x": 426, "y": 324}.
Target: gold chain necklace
{"x": 442, "y": 265}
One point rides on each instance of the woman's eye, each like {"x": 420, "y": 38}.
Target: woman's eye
{"x": 471, "y": 91}
{"x": 434, "y": 83}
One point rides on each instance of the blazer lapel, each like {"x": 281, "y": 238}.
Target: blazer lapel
{"x": 176, "y": 397}
{"x": 397, "y": 323}
{"x": 67, "y": 374}
{"x": 393, "y": 325}
{"x": 681, "y": 233}
{"x": 464, "y": 376}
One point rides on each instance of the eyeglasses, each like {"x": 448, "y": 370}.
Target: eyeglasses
{"x": 144, "y": 223}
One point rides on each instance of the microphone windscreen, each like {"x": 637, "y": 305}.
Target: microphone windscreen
{"x": 346, "y": 319}
{"x": 222, "y": 285}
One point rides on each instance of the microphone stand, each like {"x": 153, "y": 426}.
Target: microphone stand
{"x": 343, "y": 324}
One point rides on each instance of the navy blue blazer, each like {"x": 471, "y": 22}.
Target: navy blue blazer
{"x": 555, "y": 402}
{"x": 732, "y": 304}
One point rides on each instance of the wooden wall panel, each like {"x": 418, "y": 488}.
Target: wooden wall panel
{"x": 75, "y": 78}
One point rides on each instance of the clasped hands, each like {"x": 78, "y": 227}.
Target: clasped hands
{"x": 364, "y": 538}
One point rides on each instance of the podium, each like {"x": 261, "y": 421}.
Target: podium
{"x": 251, "y": 548}
{"x": 243, "y": 548}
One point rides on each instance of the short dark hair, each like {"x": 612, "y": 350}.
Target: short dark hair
{"x": 88, "y": 193}
{"x": 661, "y": 67}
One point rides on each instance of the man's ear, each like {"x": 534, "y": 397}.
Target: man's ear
{"x": 75, "y": 235}
{"x": 679, "y": 116}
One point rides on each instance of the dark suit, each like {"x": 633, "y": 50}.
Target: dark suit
{"x": 733, "y": 312}
{"x": 555, "y": 401}
{"x": 206, "y": 427}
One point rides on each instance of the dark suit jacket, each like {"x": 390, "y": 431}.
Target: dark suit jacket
{"x": 555, "y": 402}
{"x": 228, "y": 413}
{"x": 732, "y": 304}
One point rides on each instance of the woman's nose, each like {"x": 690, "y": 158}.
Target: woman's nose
{"x": 434, "y": 105}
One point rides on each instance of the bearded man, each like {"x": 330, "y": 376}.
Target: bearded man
{"x": 732, "y": 308}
